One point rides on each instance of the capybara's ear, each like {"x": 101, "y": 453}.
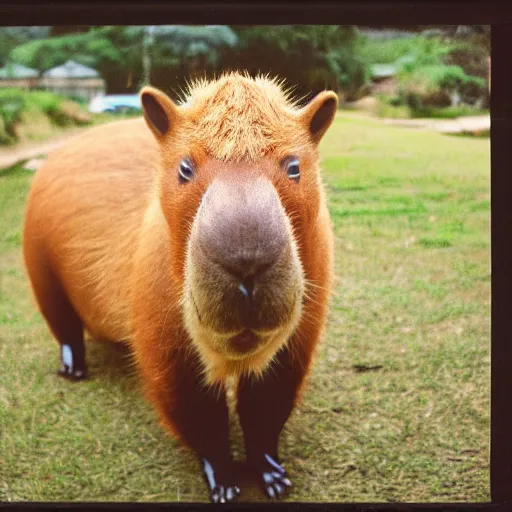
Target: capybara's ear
{"x": 319, "y": 113}
{"x": 160, "y": 112}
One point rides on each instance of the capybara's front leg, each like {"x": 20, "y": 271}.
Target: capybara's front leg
{"x": 198, "y": 415}
{"x": 264, "y": 405}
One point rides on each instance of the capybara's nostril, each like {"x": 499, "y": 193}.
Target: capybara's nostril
{"x": 247, "y": 288}
{"x": 247, "y": 275}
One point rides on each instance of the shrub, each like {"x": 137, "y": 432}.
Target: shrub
{"x": 433, "y": 72}
{"x": 12, "y": 103}
{"x": 391, "y": 108}
{"x": 448, "y": 112}
{"x": 437, "y": 85}
{"x": 18, "y": 107}
{"x": 393, "y": 112}
{"x": 5, "y": 138}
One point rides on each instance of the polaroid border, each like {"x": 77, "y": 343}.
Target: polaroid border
{"x": 394, "y": 13}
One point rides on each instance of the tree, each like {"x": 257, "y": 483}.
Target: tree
{"x": 312, "y": 57}
{"x": 113, "y": 50}
{"x": 173, "y": 54}
{"x": 10, "y": 37}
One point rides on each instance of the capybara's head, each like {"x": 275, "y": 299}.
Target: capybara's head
{"x": 239, "y": 187}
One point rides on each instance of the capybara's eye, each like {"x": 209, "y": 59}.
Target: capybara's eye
{"x": 186, "y": 170}
{"x": 292, "y": 168}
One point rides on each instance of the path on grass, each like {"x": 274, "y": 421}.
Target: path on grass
{"x": 11, "y": 155}
{"x": 466, "y": 124}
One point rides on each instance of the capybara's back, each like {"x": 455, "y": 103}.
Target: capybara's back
{"x": 84, "y": 212}
{"x": 201, "y": 236}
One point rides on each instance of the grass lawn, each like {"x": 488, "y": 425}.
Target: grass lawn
{"x": 397, "y": 407}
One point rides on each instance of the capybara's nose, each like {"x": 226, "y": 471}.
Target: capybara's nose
{"x": 242, "y": 227}
{"x": 242, "y": 231}
{"x": 247, "y": 272}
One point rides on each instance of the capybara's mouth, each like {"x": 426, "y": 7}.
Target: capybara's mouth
{"x": 246, "y": 341}
{"x": 254, "y": 323}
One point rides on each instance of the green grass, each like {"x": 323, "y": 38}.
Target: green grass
{"x": 397, "y": 407}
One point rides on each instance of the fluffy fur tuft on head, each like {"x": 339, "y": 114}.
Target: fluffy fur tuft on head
{"x": 239, "y": 118}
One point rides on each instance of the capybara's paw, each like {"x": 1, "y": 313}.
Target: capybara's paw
{"x": 73, "y": 375}
{"x": 221, "y": 489}
{"x": 71, "y": 369}
{"x": 272, "y": 477}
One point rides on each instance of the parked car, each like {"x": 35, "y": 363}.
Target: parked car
{"x": 115, "y": 103}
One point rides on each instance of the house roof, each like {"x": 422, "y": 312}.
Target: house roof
{"x": 12, "y": 70}
{"x": 71, "y": 69}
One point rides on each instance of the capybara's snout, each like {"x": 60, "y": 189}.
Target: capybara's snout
{"x": 247, "y": 275}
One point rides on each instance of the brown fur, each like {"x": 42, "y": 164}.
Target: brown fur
{"x": 108, "y": 216}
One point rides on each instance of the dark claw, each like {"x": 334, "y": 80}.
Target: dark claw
{"x": 274, "y": 464}
{"x": 232, "y": 493}
{"x": 218, "y": 493}
{"x": 273, "y": 477}
{"x": 286, "y": 482}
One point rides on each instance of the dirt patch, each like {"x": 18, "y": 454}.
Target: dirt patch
{"x": 25, "y": 151}
{"x": 470, "y": 124}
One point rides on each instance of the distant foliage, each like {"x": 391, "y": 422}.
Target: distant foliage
{"x": 179, "y": 53}
{"x": 430, "y": 79}
{"x": 377, "y": 51}
{"x": 312, "y": 57}
{"x": 435, "y": 68}
{"x": 18, "y": 106}
{"x": 113, "y": 51}
{"x": 10, "y": 37}
{"x": 445, "y": 77}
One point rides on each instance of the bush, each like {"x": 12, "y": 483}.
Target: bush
{"x": 32, "y": 124}
{"x": 437, "y": 85}
{"x": 433, "y": 72}
{"x": 5, "y": 138}
{"x": 430, "y": 78}
{"x": 391, "y": 108}
{"x": 18, "y": 107}
{"x": 12, "y": 103}
{"x": 448, "y": 112}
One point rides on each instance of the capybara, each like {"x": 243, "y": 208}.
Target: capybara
{"x": 200, "y": 236}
